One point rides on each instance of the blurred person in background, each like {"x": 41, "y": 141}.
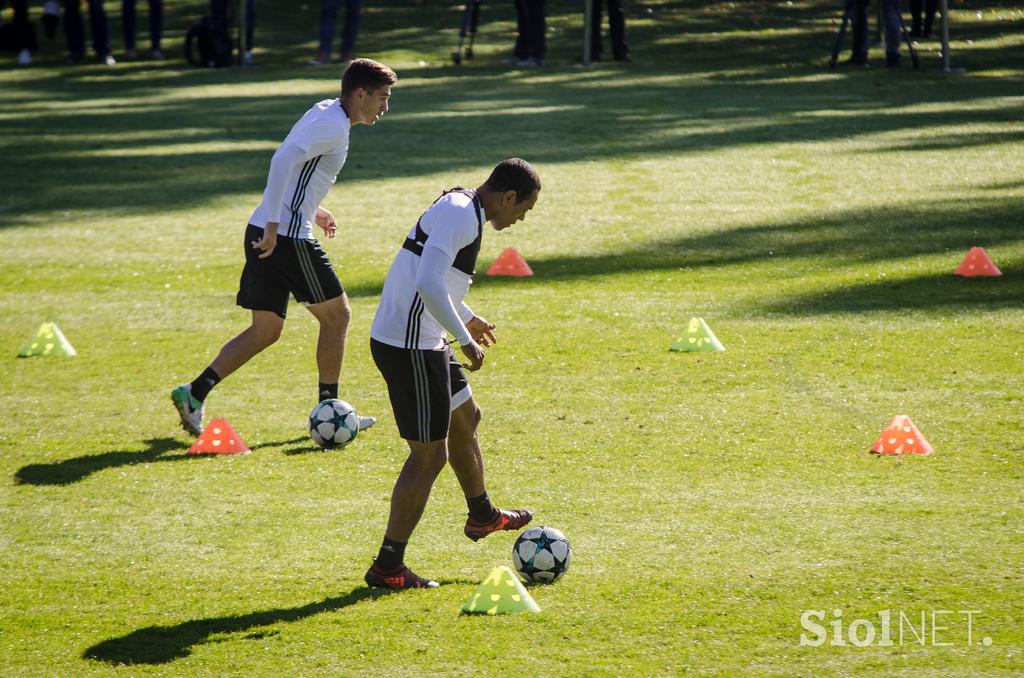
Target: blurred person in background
{"x": 919, "y": 30}
{"x": 99, "y": 28}
{"x": 156, "y": 28}
{"x": 893, "y": 32}
{"x": 616, "y": 31}
{"x": 349, "y": 31}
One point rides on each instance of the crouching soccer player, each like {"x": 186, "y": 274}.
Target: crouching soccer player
{"x": 431, "y": 398}
{"x": 281, "y": 255}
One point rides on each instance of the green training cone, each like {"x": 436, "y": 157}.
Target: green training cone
{"x": 49, "y": 340}
{"x": 500, "y": 593}
{"x": 697, "y": 337}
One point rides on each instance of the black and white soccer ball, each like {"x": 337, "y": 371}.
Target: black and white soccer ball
{"x": 333, "y": 423}
{"x": 541, "y": 554}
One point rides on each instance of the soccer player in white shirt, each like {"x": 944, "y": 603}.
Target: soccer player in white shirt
{"x": 282, "y": 256}
{"x": 421, "y": 303}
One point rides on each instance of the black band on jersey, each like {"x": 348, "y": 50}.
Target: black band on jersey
{"x": 465, "y": 259}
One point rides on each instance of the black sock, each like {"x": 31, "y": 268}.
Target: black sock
{"x": 480, "y": 508}
{"x": 328, "y": 391}
{"x": 391, "y": 555}
{"x": 204, "y": 383}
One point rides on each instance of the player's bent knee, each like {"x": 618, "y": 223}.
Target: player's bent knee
{"x": 431, "y": 457}
{"x": 335, "y": 313}
{"x": 466, "y": 418}
{"x": 268, "y": 331}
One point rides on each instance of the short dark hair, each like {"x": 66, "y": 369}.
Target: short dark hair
{"x": 366, "y": 74}
{"x": 514, "y": 174}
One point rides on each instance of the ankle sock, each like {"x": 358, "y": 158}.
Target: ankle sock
{"x": 480, "y": 508}
{"x": 328, "y": 391}
{"x": 391, "y": 554}
{"x": 204, "y": 383}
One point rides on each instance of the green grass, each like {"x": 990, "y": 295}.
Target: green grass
{"x": 812, "y": 217}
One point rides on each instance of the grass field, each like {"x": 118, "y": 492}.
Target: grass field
{"x": 812, "y": 218}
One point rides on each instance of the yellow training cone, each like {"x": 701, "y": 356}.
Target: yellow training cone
{"x": 500, "y": 593}
{"x": 697, "y": 337}
{"x": 49, "y": 340}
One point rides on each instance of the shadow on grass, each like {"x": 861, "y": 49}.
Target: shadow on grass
{"x": 163, "y": 644}
{"x": 139, "y": 126}
{"x": 924, "y": 292}
{"x": 73, "y": 470}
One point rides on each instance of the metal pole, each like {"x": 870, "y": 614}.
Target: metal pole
{"x": 588, "y": 16}
{"x": 945, "y": 36}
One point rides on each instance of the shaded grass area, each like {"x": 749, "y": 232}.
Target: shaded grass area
{"x": 813, "y": 218}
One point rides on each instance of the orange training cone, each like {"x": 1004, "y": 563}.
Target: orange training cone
{"x": 219, "y": 438}
{"x": 901, "y": 437}
{"x": 510, "y": 262}
{"x": 977, "y": 263}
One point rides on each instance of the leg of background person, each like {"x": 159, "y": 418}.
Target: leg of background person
{"x": 24, "y": 31}
{"x": 595, "y": 31}
{"x": 156, "y": 25}
{"x": 74, "y": 30}
{"x": 128, "y": 26}
{"x": 859, "y": 19}
{"x": 915, "y": 18}
{"x": 349, "y": 34}
{"x": 893, "y": 31}
{"x": 328, "y": 17}
{"x": 522, "y": 47}
{"x": 538, "y": 27}
{"x": 930, "y": 8}
{"x": 250, "y": 24}
{"x": 265, "y": 329}
{"x": 412, "y": 489}
{"x": 617, "y": 30}
{"x": 100, "y": 28}
{"x": 333, "y": 315}
{"x": 464, "y": 449}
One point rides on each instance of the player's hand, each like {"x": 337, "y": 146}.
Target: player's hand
{"x": 475, "y": 354}
{"x": 268, "y": 242}
{"x": 325, "y": 220}
{"x": 481, "y": 331}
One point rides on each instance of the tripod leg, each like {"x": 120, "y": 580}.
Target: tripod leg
{"x": 839, "y": 36}
{"x": 910, "y": 44}
{"x": 463, "y": 26}
{"x": 474, "y": 22}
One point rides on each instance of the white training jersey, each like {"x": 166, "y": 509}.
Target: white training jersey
{"x": 455, "y": 225}
{"x": 308, "y": 162}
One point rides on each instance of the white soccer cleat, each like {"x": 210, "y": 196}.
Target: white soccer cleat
{"x": 366, "y": 422}
{"x": 189, "y": 409}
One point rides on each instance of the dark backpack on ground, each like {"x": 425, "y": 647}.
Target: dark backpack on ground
{"x": 213, "y": 46}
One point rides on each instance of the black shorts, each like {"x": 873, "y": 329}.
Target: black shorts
{"x": 424, "y": 387}
{"x": 297, "y": 266}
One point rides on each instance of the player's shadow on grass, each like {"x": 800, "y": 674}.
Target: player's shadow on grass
{"x": 163, "y": 644}
{"x": 68, "y": 471}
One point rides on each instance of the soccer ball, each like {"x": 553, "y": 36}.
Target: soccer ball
{"x": 541, "y": 554}
{"x": 333, "y": 423}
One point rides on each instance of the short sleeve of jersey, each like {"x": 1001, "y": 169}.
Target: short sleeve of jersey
{"x": 322, "y": 130}
{"x": 451, "y": 223}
